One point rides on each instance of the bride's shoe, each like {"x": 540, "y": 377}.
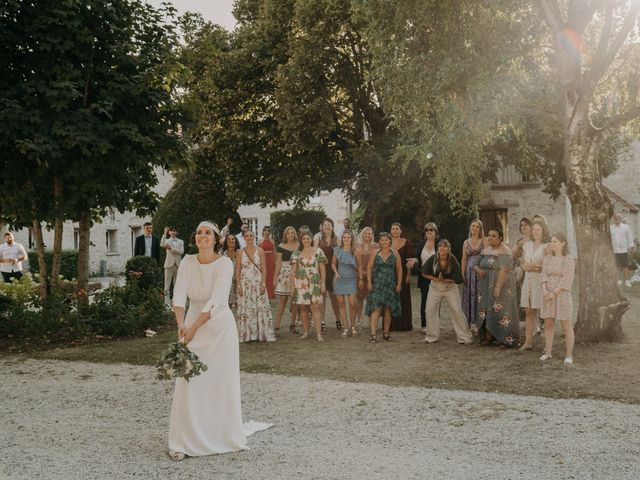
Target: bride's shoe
{"x": 177, "y": 456}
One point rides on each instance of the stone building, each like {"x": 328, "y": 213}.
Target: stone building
{"x": 513, "y": 196}
{"x": 112, "y": 239}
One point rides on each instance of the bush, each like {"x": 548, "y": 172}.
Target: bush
{"x": 21, "y": 292}
{"x": 144, "y": 272}
{"x": 51, "y": 320}
{"x": 127, "y": 311}
{"x": 295, "y": 217}
{"x": 68, "y": 263}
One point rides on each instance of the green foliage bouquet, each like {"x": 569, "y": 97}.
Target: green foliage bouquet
{"x": 179, "y": 362}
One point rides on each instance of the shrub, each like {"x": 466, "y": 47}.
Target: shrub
{"x": 144, "y": 272}
{"x": 51, "y": 320}
{"x": 68, "y": 263}
{"x": 127, "y": 311}
{"x": 295, "y": 217}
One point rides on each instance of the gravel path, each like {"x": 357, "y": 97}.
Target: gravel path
{"x": 73, "y": 420}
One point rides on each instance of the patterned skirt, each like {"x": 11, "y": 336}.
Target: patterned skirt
{"x": 283, "y": 284}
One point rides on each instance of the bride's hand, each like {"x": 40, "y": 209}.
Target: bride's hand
{"x": 182, "y": 331}
{"x": 189, "y": 334}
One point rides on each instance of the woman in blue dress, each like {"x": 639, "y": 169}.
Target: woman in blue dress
{"x": 345, "y": 284}
{"x": 385, "y": 282}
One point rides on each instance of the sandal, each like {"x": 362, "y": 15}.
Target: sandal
{"x": 386, "y": 336}
{"x": 304, "y": 336}
{"x": 277, "y": 332}
{"x": 372, "y": 339}
{"x": 345, "y": 333}
{"x": 545, "y": 357}
{"x": 177, "y": 456}
{"x": 324, "y": 327}
{"x": 354, "y": 332}
{"x": 338, "y": 325}
{"x": 292, "y": 329}
{"x": 320, "y": 338}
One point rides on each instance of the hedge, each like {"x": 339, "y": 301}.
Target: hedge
{"x": 144, "y": 272}
{"x": 68, "y": 263}
{"x": 295, "y": 218}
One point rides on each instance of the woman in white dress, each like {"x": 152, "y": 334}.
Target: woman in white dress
{"x": 531, "y": 294}
{"x": 206, "y": 415}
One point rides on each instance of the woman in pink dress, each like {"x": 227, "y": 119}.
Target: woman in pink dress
{"x": 270, "y": 259}
{"x": 556, "y": 280}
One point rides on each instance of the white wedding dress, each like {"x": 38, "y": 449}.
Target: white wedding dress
{"x": 206, "y": 415}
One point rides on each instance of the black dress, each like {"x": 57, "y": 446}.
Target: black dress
{"x": 404, "y": 322}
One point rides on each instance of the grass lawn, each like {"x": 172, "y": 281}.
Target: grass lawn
{"x": 607, "y": 371}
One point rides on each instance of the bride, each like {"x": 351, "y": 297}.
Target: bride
{"x": 206, "y": 416}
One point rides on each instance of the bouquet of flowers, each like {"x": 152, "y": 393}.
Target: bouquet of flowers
{"x": 179, "y": 362}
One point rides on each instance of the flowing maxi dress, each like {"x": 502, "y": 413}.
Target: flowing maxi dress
{"x": 403, "y": 322}
{"x": 206, "y": 414}
{"x": 270, "y": 260}
{"x": 470, "y": 290}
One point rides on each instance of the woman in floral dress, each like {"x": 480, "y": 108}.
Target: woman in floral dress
{"x": 471, "y": 250}
{"x": 282, "y": 277}
{"x": 385, "y": 282}
{"x": 308, "y": 271}
{"x": 254, "y": 313}
{"x": 498, "y": 313}
{"x": 558, "y": 270}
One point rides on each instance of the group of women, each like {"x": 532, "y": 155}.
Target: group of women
{"x": 352, "y": 271}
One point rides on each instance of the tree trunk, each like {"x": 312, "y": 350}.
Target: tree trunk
{"x": 601, "y": 305}
{"x": 42, "y": 264}
{"x": 83, "y": 260}
{"x": 57, "y": 233}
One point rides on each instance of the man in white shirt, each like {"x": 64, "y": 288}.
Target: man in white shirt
{"x": 240, "y": 237}
{"x": 174, "y": 248}
{"x": 12, "y": 254}
{"x": 340, "y": 228}
{"x": 622, "y": 240}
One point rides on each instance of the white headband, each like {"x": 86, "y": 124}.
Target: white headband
{"x": 210, "y": 225}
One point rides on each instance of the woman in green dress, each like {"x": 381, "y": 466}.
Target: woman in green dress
{"x": 498, "y": 314}
{"x": 384, "y": 274}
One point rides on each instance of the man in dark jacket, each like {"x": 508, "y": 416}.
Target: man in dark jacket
{"x": 147, "y": 245}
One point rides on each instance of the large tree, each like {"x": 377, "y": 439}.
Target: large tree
{"x": 594, "y": 62}
{"x": 88, "y": 111}
{"x": 287, "y": 105}
{"x": 473, "y": 84}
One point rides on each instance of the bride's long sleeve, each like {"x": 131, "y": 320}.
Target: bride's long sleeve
{"x": 182, "y": 284}
{"x": 221, "y": 287}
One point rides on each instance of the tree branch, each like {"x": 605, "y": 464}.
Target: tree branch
{"x": 619, "y": 120}
{"x": 600, "y": 66}
{"x": 552, "y": 16}
{"x": 603, "y": 44}
{"x": 580, "y": 13}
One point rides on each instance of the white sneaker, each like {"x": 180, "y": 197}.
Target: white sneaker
{"x": 627, "y": 283}
{"x": 568, "y": 361}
